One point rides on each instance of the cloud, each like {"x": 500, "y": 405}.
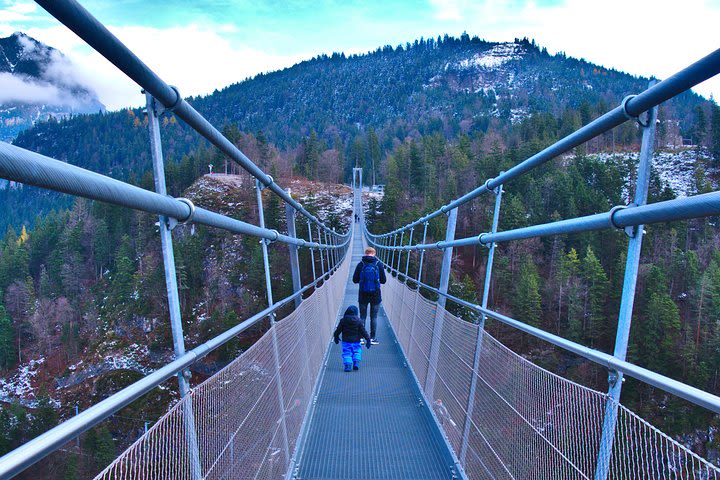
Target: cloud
{"x": 60, "y": 82}
{"x": 447, "y": 9}
{"x": 196, "y": 59}
{"x": 14, "y": 89}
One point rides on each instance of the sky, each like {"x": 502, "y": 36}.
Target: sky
{"x": 203, "y": 45}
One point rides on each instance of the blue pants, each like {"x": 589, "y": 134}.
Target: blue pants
{"x": 351, "y": 353}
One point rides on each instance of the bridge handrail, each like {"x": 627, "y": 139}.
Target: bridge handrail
{"x": 86, "y": 26}
{"x": 697, "y": 206}
{"x": 32, "y": 168}
{"x": 688, "y": 392}
{"x": 630, "y": 108}
{"x": 38, "y": 448}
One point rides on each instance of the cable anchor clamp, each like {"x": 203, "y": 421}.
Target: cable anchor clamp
{"x": 627, "y": 114}
{"x": 173, "y": 222}
{"x": 630, "y": 230}
{"x": 261, "y": 185}
{"x": 481, "y": 242}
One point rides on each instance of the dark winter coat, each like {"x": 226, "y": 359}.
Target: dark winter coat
{"x": 351, "y": 328}
{"x": 372, "y": 297}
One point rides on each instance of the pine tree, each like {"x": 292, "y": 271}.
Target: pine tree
{"x": 45, "y": 416}
{"x": 526, "y": 302}
{"x": 122, "y": 279}
{"x": 7, "y": 340}
{"x": 71, "y": 470}
{"x": 417, "y": 170}
{"x": 374, "y": 154}
{"x": 715, "y": 133}
{"x": 655, "y": 335}
{"x": 596, "y": 284}
{"x": 100, "y": 444}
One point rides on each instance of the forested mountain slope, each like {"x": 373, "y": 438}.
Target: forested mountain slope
{"x": 448, "y": 85}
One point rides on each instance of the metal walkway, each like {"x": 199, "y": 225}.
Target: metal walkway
{"x": 371, "y": 423}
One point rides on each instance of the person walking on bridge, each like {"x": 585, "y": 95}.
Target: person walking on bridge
{"x": 369, "y": 274}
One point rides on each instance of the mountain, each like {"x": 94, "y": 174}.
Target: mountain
{"x": 38, "y": 83}
{"x": 450, "y": 86}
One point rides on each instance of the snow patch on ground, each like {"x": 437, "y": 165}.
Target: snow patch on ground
{"x": 19, "y": 388}
{"x": 19, "y": 385}
{"x": 676, "y": 168}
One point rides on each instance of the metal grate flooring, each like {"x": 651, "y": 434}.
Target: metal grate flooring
{"x": 371, "y": 423}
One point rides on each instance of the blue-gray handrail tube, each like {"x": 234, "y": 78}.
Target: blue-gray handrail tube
{"x": 686, "y": 78}
{"x": 32, "y": 168}
{"x": 35, "y": 450}
{"x": 697, "y": 206}
{"x": 86, "y": 26}
{"x": 688, "y": 392}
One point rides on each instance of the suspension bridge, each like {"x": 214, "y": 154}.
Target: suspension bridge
{"x": 438, "y": 397}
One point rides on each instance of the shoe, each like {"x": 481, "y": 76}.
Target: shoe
{"x": 348, "y": 367}
{"x": 374, "y": 341}
{"x": 362, "y": 341}
{"x": 355, "y": 367}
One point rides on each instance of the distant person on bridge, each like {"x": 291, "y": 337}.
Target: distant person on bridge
{"x": 369, "y": 273}
{"x": 352, "y": 331}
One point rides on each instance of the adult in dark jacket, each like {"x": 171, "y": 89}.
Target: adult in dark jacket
{"x": 352, "y": 330}
{"x": 369, "y": 274}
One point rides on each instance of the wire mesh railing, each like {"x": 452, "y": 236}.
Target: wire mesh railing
{"x": 236, "y": 412}
{"x": 628, "y": 218}
{"x": 526, "y": 422}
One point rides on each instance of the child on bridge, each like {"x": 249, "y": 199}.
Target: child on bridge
{"x": 352, "y": 330}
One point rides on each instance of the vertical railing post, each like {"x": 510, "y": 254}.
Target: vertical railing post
{"x": 312, "y": 251}
{"x": 632, "y": 264}
{"x": 481, "y": 330}
{"x": 320, "y": 251}
{"x": 392, "y": 258}
{"x": 294, "y": 262}
{"x": 333, "y": 242}
{"x": 417, "y": 296}
{"x": 165, "y": 226}
{"x": 440, "y": 308}
{"x": 328, "y": 253}
{"x": 276, "y": 351}
{"x": 402, "y": 239}
{"x": 399, "y": 291}
{"x": 407, "y": 262}
{"x": 422, "y": 255}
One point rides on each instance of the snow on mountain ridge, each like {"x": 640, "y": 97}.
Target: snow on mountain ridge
{"x": 493, "y": 58}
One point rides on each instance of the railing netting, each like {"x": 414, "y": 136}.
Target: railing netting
{"x": 526, "y": 422}
{"x": 237, "y": 414}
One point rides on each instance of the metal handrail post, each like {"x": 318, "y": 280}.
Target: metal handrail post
{"x": 422, "y": 255}
{"x": 440, "y": 305}
{"x": 417, "y": 296}
{"x": 400, "y": 292}
{"x": 294, "y": 262}
{"x": 312, "y": 251}
{"x": 328, "y": 253}
{"x": 615, "y": 378}
{"x": 320, "y": 251}
{"x": 407, "y": 263}
{"x": 276, "y": 350}
{"x": 165, "y": 227}
{"x": 392, "y": 258}
{"x": 481, "y": 330}
{"x": 402, "y": 239}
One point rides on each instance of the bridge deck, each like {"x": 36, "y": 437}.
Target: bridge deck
{"x": 371, "y": 423}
